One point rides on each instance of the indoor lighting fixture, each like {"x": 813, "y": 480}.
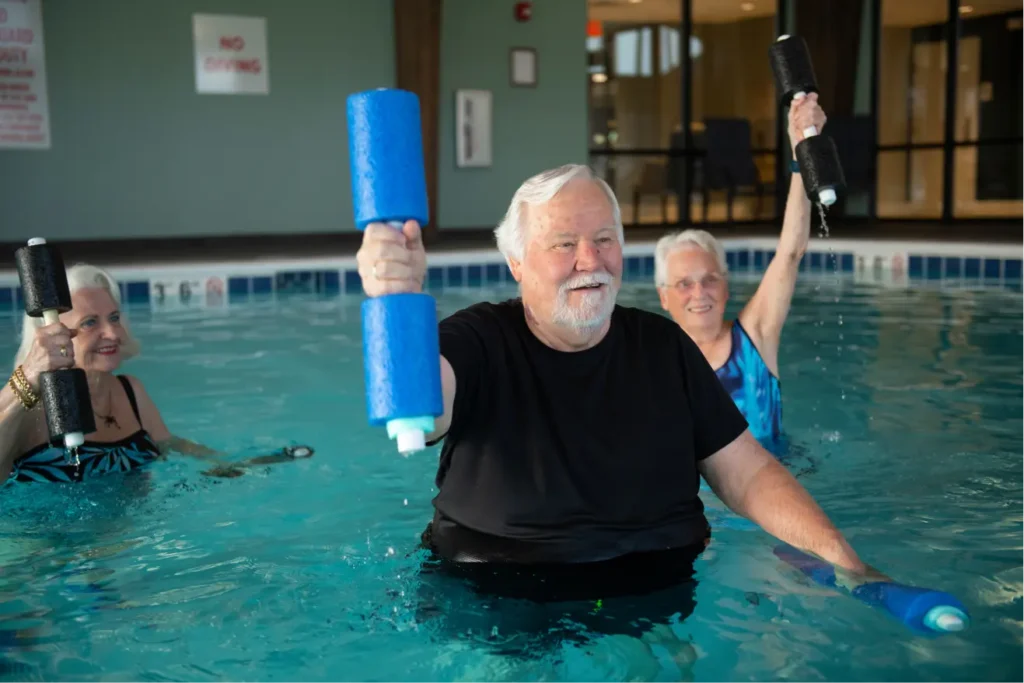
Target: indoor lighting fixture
{"x": 966, "y": 9}
{"x": 599, "y": 78}
{"x": 747, "y": 7}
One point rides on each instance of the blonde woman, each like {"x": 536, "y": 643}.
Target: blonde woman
{"x": 94, "y": 336}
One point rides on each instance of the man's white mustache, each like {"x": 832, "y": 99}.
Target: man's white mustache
{"x": 587, "y": 280}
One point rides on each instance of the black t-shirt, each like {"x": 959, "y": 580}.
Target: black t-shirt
{"x": 575, "y": 456}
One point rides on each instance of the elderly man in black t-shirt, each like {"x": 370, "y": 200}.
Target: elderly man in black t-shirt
{"x": 576, "y": 430}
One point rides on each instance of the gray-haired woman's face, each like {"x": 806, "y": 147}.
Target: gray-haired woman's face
{"x": 96, "y": 320}
{"x": 695, "y": 289}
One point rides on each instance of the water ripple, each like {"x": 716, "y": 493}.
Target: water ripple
{"x": 907, "y": 403}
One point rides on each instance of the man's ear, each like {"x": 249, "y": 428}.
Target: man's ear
{"x": 517, "y": 269}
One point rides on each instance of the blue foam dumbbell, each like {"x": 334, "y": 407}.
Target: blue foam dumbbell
{"x": 921, "y": 609}
{"x": 401, "y": 352}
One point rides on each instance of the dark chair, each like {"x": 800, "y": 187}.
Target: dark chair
{"x": 855, "y": 142}
{"x": 651, "y": 181}
{"x": 677, "y": 168}
{"x": 729, "y": 163}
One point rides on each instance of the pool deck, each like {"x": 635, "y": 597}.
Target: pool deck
{"x": 314, "y": 247}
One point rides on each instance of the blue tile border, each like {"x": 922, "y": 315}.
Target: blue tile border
{"x": 481, "y": 273}
{"x": 1012, "y": 269}
{"x": 992, "y": 267}
{"x": 972, "y": 267}
{"x": 929, "y": 267}
{"x": 953, "y": 264}
{"x": 136, "y": 292}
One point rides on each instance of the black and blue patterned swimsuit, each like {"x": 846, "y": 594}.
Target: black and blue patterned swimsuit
{"x": 753, "y": 387}
{"x": 50, "y": 463}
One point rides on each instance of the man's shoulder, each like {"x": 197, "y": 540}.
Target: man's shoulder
{"x": 484, "y": 310}
{"x": 484, "y": 316}
{"x": 644, "y": 319}
{"x": 653, "y": 332}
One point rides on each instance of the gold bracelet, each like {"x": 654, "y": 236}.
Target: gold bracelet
{"x": 22, "y": 389}
{"x": 21, "y": 397}
{"x": 19, "y": 376}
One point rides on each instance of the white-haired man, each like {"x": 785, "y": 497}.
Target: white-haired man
{"x": 575, "y": 430}
{"x": 692, "y": 279}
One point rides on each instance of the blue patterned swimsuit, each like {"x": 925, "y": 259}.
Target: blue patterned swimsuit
{"x": 754, "y": 389}
{"x": 49, "y": 463}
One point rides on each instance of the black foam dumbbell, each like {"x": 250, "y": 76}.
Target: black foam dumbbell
{"x": 64, "y": 392}
{"x": 816, "y": 154}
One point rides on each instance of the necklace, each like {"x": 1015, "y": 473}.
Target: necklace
{"x": 109, "y": 421}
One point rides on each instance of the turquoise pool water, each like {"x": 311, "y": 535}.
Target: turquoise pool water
{"x": 906, "y": 405}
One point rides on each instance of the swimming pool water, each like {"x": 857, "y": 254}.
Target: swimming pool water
{"x": 905, "y": 405}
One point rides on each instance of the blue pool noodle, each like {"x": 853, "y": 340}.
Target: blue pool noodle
{"x": 401, "y": 352}
{"x": 921, "y": 609}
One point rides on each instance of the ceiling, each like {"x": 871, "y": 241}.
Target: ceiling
{"x": 669, "y": 11}
{"x": 894, "y": 12}
{"x": 925, "y": 12}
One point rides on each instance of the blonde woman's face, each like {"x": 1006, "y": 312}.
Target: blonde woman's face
{"x": 96, "y": 320}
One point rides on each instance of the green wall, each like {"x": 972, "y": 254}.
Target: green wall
{"x": 136, "y": 152}
{"x": 533, "y": 128}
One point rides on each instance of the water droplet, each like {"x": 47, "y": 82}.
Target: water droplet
{"x": 391, "y": 551}
{"x": 405, "y": 501}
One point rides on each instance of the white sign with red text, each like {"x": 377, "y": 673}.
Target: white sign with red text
{"x": 231, "y": 54}
{"x": 24, "y": 106}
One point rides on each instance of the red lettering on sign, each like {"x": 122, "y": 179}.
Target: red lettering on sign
{"x": 13, "y": 55}
{"x": 235, "y": 43}
{"x": 217, "y": 64}
{"x": 25, "y": 36}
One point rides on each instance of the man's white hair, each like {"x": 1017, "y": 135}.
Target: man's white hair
{"x": 81, "y": 276}
{"x": 540, "y": 189}
{"x": 680, "y": 240}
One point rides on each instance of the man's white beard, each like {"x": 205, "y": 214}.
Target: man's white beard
{"x": 595, "y": 306}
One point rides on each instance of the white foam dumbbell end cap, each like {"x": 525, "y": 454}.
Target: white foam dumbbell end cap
{"x": 36, "y": 241}
{"x": 946, "y": 618}
{"x": 827, "y": 196}
{"x": 411, "y": 441}
{"x": 74, "y": 439}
